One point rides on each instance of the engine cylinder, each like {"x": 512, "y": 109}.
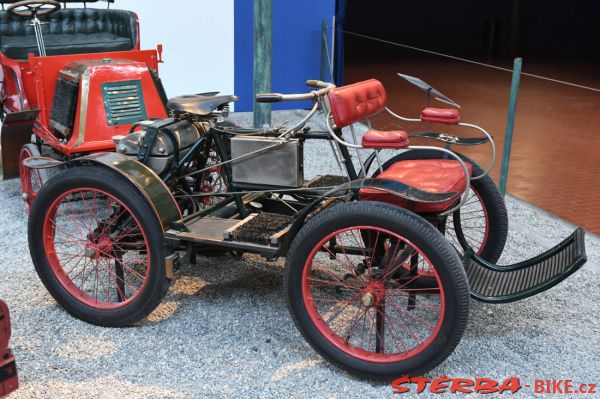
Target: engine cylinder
{"x": 186, "y": 133}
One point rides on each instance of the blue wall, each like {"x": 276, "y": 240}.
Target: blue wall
{"x": 296, "y": 47}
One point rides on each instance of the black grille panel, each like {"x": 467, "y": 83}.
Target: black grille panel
{"x": 64, "y": 106}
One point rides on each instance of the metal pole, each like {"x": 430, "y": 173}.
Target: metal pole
{"x": 332, "y": 62}
{"x": 263, "y": 18}
{"x": 324, "y": 57}
{"x": 510, "y": 123}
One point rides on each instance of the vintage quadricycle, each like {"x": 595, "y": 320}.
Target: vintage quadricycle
{"x": 381, "y": 260}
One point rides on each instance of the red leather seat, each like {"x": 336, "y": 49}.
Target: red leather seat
{"x": 432, "y": 175}
{"x": 395, "y": 139}
{"x": 440, "y": 115}
{"x": 355, "y": 102}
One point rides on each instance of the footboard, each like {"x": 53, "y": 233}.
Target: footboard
{"x": 500, "y": 284}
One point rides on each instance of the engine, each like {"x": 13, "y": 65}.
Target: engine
{"x": 161, "y": 154}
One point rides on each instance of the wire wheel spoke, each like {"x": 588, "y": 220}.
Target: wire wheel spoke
{"x": 469, "y": 226}
{"x": 359, "y": 300}
{"x": 96, "y": 248}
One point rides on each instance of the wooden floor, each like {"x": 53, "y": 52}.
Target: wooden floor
{"x": 555, "y": 161}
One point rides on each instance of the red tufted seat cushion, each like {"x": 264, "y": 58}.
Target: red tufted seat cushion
{"x": 432, "y": 175}
{"x": 440, "y": 115}
{"x": 355, "y": 102}
{"x": 395, "y": 139}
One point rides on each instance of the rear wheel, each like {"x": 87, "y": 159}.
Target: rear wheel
{"x": 98, "y": 247}
{"x": 32, "y": 180}
{"x": 482, "y": 222}
{"x": 358, "y": 301}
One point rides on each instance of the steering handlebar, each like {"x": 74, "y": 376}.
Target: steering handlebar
{"x": 323, "y": 87}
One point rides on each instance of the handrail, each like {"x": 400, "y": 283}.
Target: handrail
{"x": 464, "y": 197}
{"x": 468, "y": 125}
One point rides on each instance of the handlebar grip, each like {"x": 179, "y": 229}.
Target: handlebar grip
{"x": 269, "y": 97}
{"x": 317, "y": 84}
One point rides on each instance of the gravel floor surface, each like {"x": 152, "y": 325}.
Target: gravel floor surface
{"x": 224, "y": 331}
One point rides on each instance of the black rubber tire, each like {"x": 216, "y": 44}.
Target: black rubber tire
{"x": 113, "y": 183}
{"x": 489, "y": 193}
{"x": 420, "y": 233}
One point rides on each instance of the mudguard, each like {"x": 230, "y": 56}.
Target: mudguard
{"x": 395, "y": 188}
{"x": 386, "y": 185}
{"x": 147, "y": 182}
{"x": 17, "y": 128}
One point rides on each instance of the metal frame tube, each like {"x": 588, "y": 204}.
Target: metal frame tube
{"x": 39, "y": 37}
{"x": 451, "y": 153}
{"x": 468, "y": 125}
{"x": 492, "y": 162}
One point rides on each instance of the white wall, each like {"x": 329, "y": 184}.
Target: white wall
{"x": 197, "y": 37}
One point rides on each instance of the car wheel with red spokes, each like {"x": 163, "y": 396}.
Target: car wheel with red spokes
{"x": 32, "y": 180}
{"x": 358, "y": 300}
{"x": 98, "y": 247}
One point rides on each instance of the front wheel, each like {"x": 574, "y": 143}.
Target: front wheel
{"x": 98, "y": 247}
{"x": 353, "y": 290}
{"x": 32, "y": 180}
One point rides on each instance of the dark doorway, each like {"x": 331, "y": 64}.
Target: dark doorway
{"x": 555, "y": 148}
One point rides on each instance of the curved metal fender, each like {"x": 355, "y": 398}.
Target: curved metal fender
{"x": 385, "y": 185}
{"x": 395, "y": 188}
{"x": 148, "y": 183}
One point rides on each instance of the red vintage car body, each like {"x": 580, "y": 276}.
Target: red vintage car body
{"x": 9, "y": 380}
{"x": 28, "y": 93}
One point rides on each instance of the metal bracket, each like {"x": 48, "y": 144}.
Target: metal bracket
{"x": 451, "y": 139}
{"x": 150, "y": 137}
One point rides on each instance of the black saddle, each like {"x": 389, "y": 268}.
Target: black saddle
{"x": 199, "y": 104}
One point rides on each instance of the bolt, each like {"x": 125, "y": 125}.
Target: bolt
{"x": 368, "y": 300}
{"x": 25, "y": 196}
{"x": 90, "y": 252}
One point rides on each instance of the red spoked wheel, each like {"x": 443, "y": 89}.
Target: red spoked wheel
{"x": 32, "y": 180}
{"x": 470, "y": 225}
{"x": 201, "y": 191}
{"x": 97, "y": 246}
{"x": 467, "y": 227}
{"x": 212, "y": 180}
{"x": 482, "y": 222}
{"x": 356, "y": 295}
{"x": 357, "y": 298}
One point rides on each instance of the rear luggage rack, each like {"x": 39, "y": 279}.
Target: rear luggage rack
{"x": 500, "y": 284}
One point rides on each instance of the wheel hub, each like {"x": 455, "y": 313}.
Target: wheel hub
{"x": 373, "y": 294}
{"x": 103, "y": 247}
{"x": 90, "y": 252}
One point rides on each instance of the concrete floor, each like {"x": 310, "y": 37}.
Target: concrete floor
{"x": 556, "y": 147}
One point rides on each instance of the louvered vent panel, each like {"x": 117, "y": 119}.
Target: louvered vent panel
{"x": 124, "y": 102}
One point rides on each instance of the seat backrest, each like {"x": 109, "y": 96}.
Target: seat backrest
{"x": 75, "y": 21}
{"x": 355, "y": 102}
